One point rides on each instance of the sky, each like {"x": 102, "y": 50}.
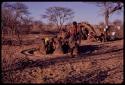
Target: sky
{"x": 84, "y": 11}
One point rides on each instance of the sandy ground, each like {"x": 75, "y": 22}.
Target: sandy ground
{"x": 103, "y": 65}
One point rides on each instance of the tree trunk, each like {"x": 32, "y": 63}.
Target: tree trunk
{"x": 106, "y": 20}
{"x": 107, "y": 24}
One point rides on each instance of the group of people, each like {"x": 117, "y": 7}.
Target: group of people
{"x": 72, "y": 37}
{"x": 69, "y": 40}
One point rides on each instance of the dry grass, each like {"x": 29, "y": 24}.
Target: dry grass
{"x": 107, "y": 60}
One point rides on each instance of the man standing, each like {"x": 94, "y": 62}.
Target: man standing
{"x": 105, "y": 33}
{"x": 73, "y": 39}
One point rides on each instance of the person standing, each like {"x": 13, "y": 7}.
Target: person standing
{"x": 105, "y": 33}
{"x": 73, "y": 39}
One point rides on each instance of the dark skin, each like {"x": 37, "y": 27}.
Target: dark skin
{"x": 65, "y": 45}
{"x": 75, "y": 42}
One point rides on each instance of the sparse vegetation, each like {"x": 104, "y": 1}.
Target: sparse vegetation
{"x": 23, "y": 57}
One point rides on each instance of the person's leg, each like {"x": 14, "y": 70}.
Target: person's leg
{"x": 72, "y": 46}
{"x": 79, "y": 41}
{"x": 105, "y": 37}
{"x": 80, "y": 38}
{"x": 77, "y": 48}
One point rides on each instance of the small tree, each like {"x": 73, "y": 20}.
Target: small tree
{"x": 17, "y": 12}
{"x": 109, "y": 8}
{"x": 58, "y": 15}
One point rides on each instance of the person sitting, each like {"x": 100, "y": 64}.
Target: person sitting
{"x": 49, "y": 47}
{"x": 65, "y": 47}
{"x": 102, "y": 37}
{"x": 113, "y": 35}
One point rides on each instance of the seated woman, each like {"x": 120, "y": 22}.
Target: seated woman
{"x": 100, "y": 37}
{"x": 49, "y": 47}
{"x": 113, "y": 36}
{"x": 65, "y": 47}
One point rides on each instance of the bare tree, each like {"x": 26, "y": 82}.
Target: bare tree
{"x": 58, "y": 15}
{"x": 108, "y": 8}
{"x": 20, "y": 11}
{"x": 7, "y": 20}
{"x": 17, "y": 13}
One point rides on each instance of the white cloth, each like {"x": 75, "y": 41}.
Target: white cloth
{"x": 113, "y": 33}
{"x": 104, "y": 29}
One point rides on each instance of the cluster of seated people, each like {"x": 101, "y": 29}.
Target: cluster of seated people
{"x": 50, "y": 45}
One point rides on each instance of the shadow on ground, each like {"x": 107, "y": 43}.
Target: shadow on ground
{"x": 85, "y": 51}
{"x": 88, "y": 48}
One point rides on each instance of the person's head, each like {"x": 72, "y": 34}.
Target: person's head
{"x": 101, "y": 33}
{"x": 63, "y": 30}
{"x": 74, "y": 23}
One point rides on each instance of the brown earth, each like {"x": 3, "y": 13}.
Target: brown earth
{"x": 97, "y": 63}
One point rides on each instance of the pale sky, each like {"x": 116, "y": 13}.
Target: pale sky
{"x": 84, "y": 11}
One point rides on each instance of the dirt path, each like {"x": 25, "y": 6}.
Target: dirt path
{"x": 103, "y": 65}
